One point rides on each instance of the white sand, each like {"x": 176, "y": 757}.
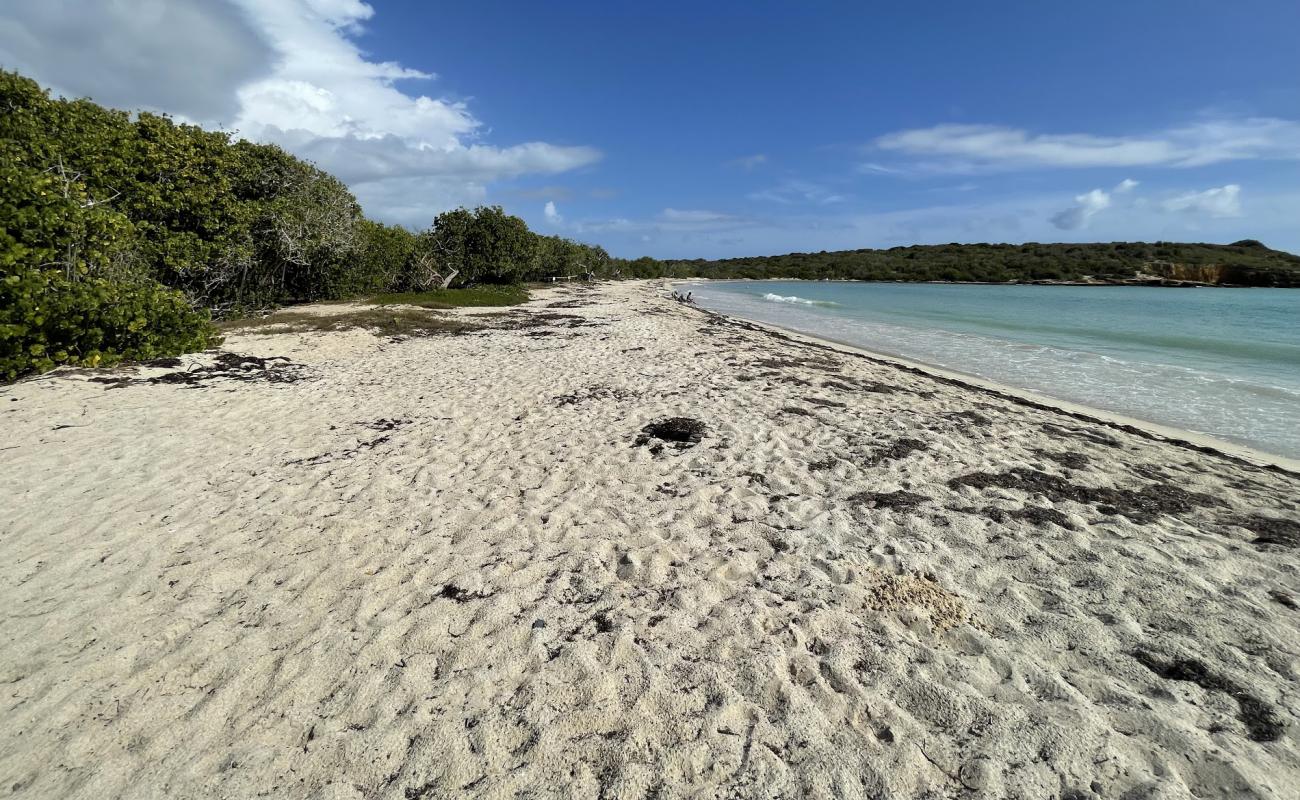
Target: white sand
{"x": 253, "y": 589}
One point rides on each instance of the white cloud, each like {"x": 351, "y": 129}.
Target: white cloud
{"x": 552, "y": 213}
{"x": 1126, "y": 185}
{"x": 187, "y": 57}
{"x": 312, "y": 90}
{"x": 878, "y": 169}
{"x": 1086, "y": 206}
{"x": 749, "y": 163}
{"x": 1223, "y": 201}
{"x": 692, "y": 216}
{"x": 797, "y": 191}
{"x": 971, "y": 148}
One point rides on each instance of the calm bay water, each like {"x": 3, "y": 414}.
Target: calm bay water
{"x": 1225, "y": 362}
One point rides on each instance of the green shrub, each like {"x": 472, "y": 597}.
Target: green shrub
{"x": 48, "y": 320}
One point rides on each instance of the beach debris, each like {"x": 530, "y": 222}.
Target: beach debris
{"x": 900, "y": 448}
{"x": 900, "y": 500}
{"x": 845, "y": 384}
{"x": 973, "y": 417}
{"x": 1261, "y": 721}
{"x": 680, "y": 432}
{"x": 814, "y": 362}
{"x": 1282, "y": 598}
{"x": 224, "y": 366}
{"x": 596, "y": 392}
{"x": 821, "y": 401}
{"x": 823, "y": 464}
{"x": 1097, "y": 437}
{"x": 381, "y": 425}
{"x": 459, "y": 594}
{"x": 1068, "y": 460}
{"x": 384, "y": 424}
{"x": 1036, "y": 515}
{"x": 1140, "y": 505}
{"x": 1272, "y": 531}
{"x": 803, "y": 412}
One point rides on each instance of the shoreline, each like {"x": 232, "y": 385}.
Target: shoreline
{"x": 1155, "y": 430}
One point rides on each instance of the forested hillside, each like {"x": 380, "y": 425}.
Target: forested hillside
{"x": 1245, "y": 263}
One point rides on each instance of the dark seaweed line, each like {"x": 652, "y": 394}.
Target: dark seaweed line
{"x": 722, "y": 319}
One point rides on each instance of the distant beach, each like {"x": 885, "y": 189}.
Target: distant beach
{"x": 610, "y": 544}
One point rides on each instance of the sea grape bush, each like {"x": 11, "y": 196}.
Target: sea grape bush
{"x": 121, "y": 235}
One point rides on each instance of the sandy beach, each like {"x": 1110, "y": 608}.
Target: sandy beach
{"x": 608, "y": 545}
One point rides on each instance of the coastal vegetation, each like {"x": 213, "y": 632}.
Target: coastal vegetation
{"x": 1244, "y": 263}
{"x": 125, "y": 236}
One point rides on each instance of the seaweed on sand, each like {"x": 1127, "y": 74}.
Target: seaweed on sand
{"x": 900, "y": 448}
{"x": 1140, "y": 505}
{"x": 225, "y": 366}
{"x": 1261, "y": 721}
{"x": 1269, "y": 530}
{"x": 900, "y": 500}
{"x": 1067, "y": 460}
{"x": 680, "y": 432}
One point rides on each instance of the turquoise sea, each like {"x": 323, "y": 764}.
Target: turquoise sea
{"x": 1224, "y": 362}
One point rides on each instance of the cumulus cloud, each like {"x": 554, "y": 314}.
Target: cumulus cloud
{"x": 1086, "y": 206}
{"x": 287, "y": 72}
{"x": 1126, "y": 185}
{"x": 186, "y": 57}
{"x": 1222, "y": 201}
{"x": 970, "y": 148}
{"x": 552, "y": 213}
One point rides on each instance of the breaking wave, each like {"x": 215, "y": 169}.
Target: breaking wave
{"x": 776, "y": 298}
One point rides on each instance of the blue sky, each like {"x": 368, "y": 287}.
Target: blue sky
{"x": 736, "y": 128}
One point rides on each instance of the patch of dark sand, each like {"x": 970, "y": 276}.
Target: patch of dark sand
{"x": 899, "y": 500}
{"x": 820, "y": 401}
{"x": 899, "y": 448}
{"x": 1097, "y": 437}
{"x": 1068, "y": 460}
{"x": 1140, "y": 505}
{"x": 845, "y": 384}
{"x": 1282, "y": 598}
{"x": 679, "y": 432}
{"x": 225, "y": 366}
{"x": 1036, "y": 515}
{"x": 795, "y": 362}
{"x": 973, "y": 417}
{"x": 1261, "y": 721}
{"x": 803, "y": 412}
{"x": 1272, "y": 531}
